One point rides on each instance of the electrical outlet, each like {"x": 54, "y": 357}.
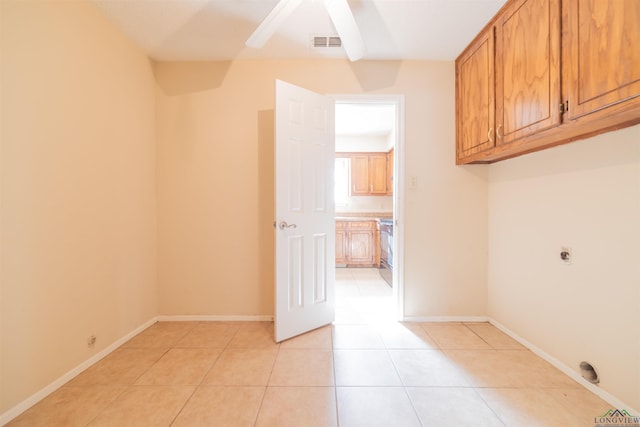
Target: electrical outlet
{"x": 91, "y": 341}
{"x": 566, "y": 255}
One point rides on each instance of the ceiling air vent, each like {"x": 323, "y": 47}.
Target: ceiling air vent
{"x": 327, "y": 41}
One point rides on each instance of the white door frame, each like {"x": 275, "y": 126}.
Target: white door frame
{"x": 398, "y": 187}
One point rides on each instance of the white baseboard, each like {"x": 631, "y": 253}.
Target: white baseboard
{"x": 215, "y": 318}
{"x": 59, "y": 382}
{"x": 446, "y": 319}
{"x": 604, "y": 395}
{"x": 35, "y": 398}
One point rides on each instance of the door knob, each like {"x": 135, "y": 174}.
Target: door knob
{"x": 283, "y": 225}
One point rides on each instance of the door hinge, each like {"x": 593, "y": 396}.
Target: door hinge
{"x": 564, "y": 107}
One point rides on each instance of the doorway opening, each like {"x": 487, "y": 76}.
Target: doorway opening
{"x": 368, "y": 195}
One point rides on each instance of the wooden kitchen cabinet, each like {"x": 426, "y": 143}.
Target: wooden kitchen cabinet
{"x": 390, "y": 171}
{"x": 475, "y": 96}
{"x": 602, "y": 56}
{"x": 378, "y": 173}
{"x": 359, "y": 175}
{"x": 341, "y": 242}
{"x": 527, "y": 69}
{"x": 368, "y": 173}
{"x": 361, "y": 242}
{"x": 356, "y": 243}
{"x": 508, "y": 79}
{"x": 546, "y": 72}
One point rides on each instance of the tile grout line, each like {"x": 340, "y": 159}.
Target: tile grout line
{"x": 493, "y": 411}
{"x": 105, "y": 406}
{"x": 404, "y": 385}
{"x": 197, "y": 387}
{"x": 133, "y": 384}
{"x": 335, "y": 377}
{"x": 266, "y": 387}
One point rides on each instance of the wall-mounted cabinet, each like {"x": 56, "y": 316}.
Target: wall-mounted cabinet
{"x": 601, "y": 68}
{"x": 369, "y": 173}
{"x": 475, "y": 96}
{"x": 390, "y": 172}
{"x": 516, "y": 92}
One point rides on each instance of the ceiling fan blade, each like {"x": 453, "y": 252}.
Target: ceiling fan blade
{"x": 270, "y": 24}
{"x": 342, "y": 18}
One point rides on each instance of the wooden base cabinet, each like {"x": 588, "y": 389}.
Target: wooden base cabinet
{"x": 341, "y": 242}
{"x": 356, "y": 243}
{"x": 547, "y": 72}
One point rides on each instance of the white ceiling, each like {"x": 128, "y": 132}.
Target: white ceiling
{"x": 365, "y": 119}
{"x": 201, "y": 30}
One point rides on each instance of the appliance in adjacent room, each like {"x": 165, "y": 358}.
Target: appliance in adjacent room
{"x": 386, "y": 250}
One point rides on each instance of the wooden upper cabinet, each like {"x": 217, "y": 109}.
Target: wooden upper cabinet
{"x": 527, "y": 69}
{"x": 390, "y": 163}
{"x": 475, "y": 96}
{"x": 368, "y": 174}
{"x": 378, "y": 173}
{"x": 359, "y": 174}
{"x": 602, "y": 45}
{"x": 547, "y": 72}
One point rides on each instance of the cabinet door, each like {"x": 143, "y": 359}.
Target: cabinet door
{"x": 390, "y": 172}
{"x": 475, "y": 96}
{"x": 361, "y": 247}
{"x": 603, "y": 66}
{"x": 527, "y": 69}
{"x": 359, "y": 175}
{"x": 378, "y": 173}
{"x": 341, "y": 242}
{"x": 341, "y": 246}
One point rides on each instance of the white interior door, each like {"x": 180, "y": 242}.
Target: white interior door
{"x": 305, "y": 224}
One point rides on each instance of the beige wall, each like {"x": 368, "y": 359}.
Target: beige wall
{"x": 215, "y": 181}
{"x": 369, "y": 204}
{"x": 78, "y": 191}
{"x": 80, "y": 115}
{"x": 584, "y": 195}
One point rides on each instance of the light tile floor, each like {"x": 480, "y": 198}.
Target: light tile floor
{"x": 365, "y": 370}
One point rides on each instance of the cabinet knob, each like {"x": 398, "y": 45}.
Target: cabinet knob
{"x": 489, "y": 134}
{"x": 499, "y": 132}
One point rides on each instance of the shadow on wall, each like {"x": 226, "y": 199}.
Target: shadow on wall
{"x": 266, "y": 204}
{"x": 170, "y": 76}
{"x": 375, "y": 75}
{"x": 606, "y": 150}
